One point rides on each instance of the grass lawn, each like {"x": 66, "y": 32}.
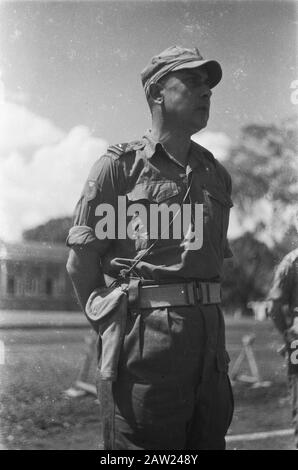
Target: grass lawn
{"x": 35, "y": 414}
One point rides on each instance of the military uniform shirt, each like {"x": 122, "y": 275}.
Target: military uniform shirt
{"x": 143, "y": 172}
{"x": 285, "y": 283}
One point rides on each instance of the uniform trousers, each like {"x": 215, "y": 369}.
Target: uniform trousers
{"x": 293, "y": 385}
{"x": 172, "y": 390}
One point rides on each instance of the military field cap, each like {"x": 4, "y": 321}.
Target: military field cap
{"x": 178, "y": 58}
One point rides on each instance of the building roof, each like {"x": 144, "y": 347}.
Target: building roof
{"x": 40, "y": 251}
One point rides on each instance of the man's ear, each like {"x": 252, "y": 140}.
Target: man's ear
{"x": 156, "y": 93}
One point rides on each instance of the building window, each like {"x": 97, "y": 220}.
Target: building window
{"x": 49, "y": 286}
{"x": 19, "y": 288}
{"x": 31, "y": 287}
{"x": 11, "y": 285}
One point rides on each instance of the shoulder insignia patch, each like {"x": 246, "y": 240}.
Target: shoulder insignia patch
{"x": 117, "y": 149}
{"x": 121, "y": 149}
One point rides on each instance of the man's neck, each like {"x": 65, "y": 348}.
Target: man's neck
{"x": 176, "y": 143}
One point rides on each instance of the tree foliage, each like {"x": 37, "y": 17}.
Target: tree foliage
{"x": 264, "y": 170}
{"x": 55, "y": 231}
{"x": 266, "y": 161}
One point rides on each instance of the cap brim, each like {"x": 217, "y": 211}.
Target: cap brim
{"x": 213, "y": 68}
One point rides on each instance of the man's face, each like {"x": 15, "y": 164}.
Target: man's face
{"x": 186, "y": 96}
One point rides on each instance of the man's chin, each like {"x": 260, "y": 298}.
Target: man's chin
{"x": 199, "y": 126}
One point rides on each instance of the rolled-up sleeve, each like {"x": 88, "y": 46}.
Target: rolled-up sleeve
{"x": 281, "y": 287}
{"x": 80, "y": 235}
{"x": 279, "y": 295}
{"x": 102, "y": 187}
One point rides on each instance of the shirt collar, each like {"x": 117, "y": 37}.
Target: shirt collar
{"x": 152, "y": 146}
{"x": 197, "y": 154}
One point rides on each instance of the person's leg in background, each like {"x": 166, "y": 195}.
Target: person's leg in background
{"x": 293, "y": 382}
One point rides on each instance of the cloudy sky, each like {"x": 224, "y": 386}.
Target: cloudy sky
{"x": 70, "y": 85}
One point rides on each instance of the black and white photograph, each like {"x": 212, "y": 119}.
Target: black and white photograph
{"x": 149, "y": 227}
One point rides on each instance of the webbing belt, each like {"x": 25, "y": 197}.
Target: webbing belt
{"x": 173, "y": 295}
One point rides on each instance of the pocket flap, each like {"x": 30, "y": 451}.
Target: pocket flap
{"x": 154, "y": 191}
{"x": 219, "y": 195}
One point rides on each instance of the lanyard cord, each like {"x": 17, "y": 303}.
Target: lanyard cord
{"x": 124, "y": 272}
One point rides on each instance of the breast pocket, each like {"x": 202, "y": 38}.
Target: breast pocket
{"x": 140, "y": 202}
{"x": 217, "y": 204}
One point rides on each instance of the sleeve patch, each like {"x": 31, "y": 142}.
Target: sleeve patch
{"x": 91, "y": 189}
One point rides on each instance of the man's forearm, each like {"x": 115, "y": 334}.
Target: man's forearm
{"x": 83, "y": 267}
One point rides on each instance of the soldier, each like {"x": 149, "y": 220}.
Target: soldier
{"x": 170, "y": 388}
{"x": 282, "y": 307}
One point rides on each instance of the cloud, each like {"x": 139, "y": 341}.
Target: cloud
{"x": 217, "y": 142}
{"x": 22, "y": 129}
{"x": 47, "y": 183}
